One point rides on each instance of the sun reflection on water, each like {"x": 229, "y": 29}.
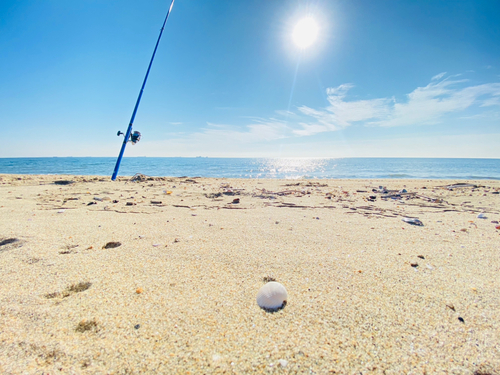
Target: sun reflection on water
{"x": 292, "y": 168}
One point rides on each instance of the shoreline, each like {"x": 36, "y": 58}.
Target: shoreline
{"x": 367, "y": 292}
{"x": 127, "y": 178}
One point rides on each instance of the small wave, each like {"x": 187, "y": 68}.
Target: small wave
{"x": 399, "y": 175}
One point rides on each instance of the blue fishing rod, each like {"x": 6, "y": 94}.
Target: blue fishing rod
{"x": 136, "y": 136}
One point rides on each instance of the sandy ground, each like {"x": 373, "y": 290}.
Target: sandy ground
{"x": 367, "y": 292}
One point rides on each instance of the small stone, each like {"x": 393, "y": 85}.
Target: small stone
{"x": 111, "y": 245}
{"x": 139, "y": 290}
{"x": 283, "y": 362}
{"x": 137, "y": 326}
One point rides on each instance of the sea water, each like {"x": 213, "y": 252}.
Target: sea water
{"x": 286, "y": 168}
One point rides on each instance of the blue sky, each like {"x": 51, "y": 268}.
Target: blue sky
{"x": 384, "y": 78}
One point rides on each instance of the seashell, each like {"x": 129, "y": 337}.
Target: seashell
{"x": 481, "y": 216}
{"x": 272, "y": 296}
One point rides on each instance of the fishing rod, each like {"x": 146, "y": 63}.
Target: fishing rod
{"x": 136, "y": 136}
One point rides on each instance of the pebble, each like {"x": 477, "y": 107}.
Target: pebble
{"x": 283, "y": 362}
{"x": 111, "y": 245}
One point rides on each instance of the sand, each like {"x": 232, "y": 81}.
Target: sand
{"x": 176, "y": 293}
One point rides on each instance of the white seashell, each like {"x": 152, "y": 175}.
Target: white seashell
{"x": 272, "y": 296}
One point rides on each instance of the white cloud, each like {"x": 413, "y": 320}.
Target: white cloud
{"x": 424, "y": 105}
{"x": 438, "y": 76}
{"x": 340, "y": 113}
{"x": 259, "y": 130}
{"x": 428, "y": 104}
{"x": 310, "y": 129}
{"x": 285, "y": 113}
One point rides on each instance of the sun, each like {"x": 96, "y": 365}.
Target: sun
{"x": 305, "y": 32}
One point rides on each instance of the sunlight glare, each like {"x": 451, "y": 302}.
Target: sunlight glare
{"x": 305, "y": 32}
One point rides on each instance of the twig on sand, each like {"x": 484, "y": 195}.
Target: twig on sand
{"x": 458, "y": 185}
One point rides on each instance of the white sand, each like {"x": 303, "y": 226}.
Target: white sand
{"x": 356, "y": 304}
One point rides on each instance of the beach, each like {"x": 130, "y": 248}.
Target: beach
{"x": 160, "y": 275}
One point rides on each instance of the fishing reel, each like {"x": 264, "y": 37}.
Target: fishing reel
{"x": 134, "y": 137}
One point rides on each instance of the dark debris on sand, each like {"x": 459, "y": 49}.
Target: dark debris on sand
{"x": 72, "y": 289}
{"x": 90, "y": 325}
{"x": 112, "y": 245}
{"x": 10, "y": 243}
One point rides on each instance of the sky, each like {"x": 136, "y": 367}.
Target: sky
{"x": 389, "y": 78}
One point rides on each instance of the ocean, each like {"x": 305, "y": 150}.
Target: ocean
{"x": 285, "y": 168}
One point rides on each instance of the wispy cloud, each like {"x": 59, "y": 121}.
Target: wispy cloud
{"x": 285, "y": 113}
{"x": 259, "y": 130}
{"x": 341, "y": 113}
{"x": 424, "y": 105}
{"x": 438, "y": 76}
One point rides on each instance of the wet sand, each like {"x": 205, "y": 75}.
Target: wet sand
{"x": 161, "y": 276}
